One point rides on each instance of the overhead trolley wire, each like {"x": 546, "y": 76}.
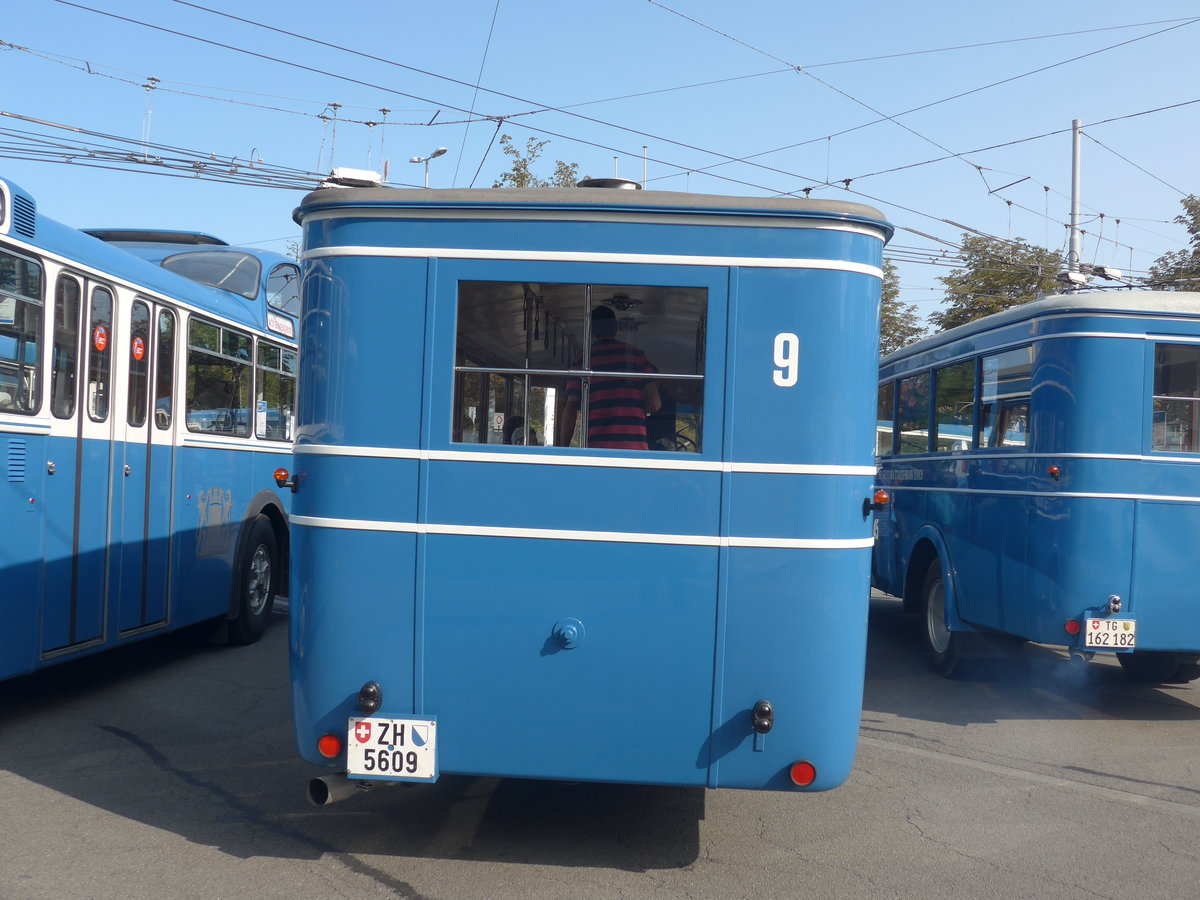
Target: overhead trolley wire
{"x": 361, "y": 54}
{"x": 541, "y": 108}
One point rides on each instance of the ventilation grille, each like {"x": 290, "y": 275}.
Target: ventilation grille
{"x": 18, "y": 455}
{"x": 24, "y": 213}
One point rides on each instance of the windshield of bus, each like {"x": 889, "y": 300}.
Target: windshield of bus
{"x": 230, "y": 270}
{"x": 283, "y": 289}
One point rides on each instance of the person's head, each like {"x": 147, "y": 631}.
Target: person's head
{"x": 604, "y": 322}
{"x": 513, "y": 426}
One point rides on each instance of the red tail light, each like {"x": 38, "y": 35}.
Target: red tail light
{"x": 329, "y": 746}
{"x": 803, "y": 773}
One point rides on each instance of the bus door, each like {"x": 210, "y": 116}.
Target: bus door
{"x": 76, "y": 555}
{"x": 143, "y": 469}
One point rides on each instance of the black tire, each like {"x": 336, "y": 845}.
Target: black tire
{"x": 1157, "y": 667}
{"x": 258, "y": 581}
{"x": 1188, "y": 671}
{"x": 942, "y": 646}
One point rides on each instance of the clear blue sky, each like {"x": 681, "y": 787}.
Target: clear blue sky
{"x": 700, "y": 84}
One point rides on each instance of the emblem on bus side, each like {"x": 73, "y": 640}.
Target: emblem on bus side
{"x": 213, "y": 534}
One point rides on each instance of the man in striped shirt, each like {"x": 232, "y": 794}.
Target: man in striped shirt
{"x": 617, "y": 407}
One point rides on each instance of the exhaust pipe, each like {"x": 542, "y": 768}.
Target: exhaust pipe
{"x": 332, "y": 788}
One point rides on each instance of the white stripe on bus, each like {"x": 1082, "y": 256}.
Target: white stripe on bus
{"x": 546, "y": 459}
{"x": 975, "y": 454}
{"x": 558, "y": 534}
{"x": 664, "y": 259}
{"x": 1070, "y": 495}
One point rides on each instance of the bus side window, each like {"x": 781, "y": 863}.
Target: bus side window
{"x": 164, "y": 377}
{"x": 1176, "y": 412}
{"x": 139, "y": 363}
{"x": 275, "y": 392}
{"x": 954, "y": 407}
{"x": 65, "y": 354}
{"x": 885, "y": 420}
{"x": 912, "y": 414}
{"x": 20, "y": 333}
{"x": 99, "y": 354}
{"x": 219, "y": 379}
{"x": 1005, "y": 383}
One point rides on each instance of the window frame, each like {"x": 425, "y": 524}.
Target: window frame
{"x": 219, "y": 354}
{"x": 518, "y": 381}
{"x": 22, "y": 369}
{"x": 261, "y": 371}
{"x": 1155, "y": 397}
{"x": 1007, "y": 406}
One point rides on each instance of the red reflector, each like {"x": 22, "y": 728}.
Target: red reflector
{"x": 281, "y": 476}
{"x": 329, "y": 746}
{"x": 803, "y": 773}
{"x": 1071, "y": 626}
{"x": 881, "y": 498}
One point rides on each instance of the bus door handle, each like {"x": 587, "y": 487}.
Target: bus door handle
{"x": 128, "y": 470}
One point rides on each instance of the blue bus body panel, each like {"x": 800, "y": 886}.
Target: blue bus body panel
{"x": 1039, "y": 535}
{"x": 104, "y": 540}
{"x": 21, "y": 518}
{"x": 596, "y": 614}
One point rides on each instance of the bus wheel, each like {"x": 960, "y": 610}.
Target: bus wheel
{"x": 941, "y": 644}
{"x": 257, "y": 583}
{"x": 1157, "y": 667}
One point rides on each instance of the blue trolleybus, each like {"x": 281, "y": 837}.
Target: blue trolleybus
{"x": 580, "y": 480}
{"x": 147, "y": 384}
{"x": 1044, "y": 469}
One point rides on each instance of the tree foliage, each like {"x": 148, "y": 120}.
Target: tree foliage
{"x": 521, "y": 174}
{"x": 995, "y": 275}
{"x": 1180, "y": 271}
{"x": 899, "y": 323}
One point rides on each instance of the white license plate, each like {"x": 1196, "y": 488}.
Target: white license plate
{"x": 1109, "y": 634}
{"x": 404, "y": 749}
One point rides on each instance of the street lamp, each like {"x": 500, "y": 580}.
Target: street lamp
{"x": 425, "y": 159}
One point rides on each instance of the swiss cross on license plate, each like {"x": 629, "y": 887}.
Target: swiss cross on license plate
{"x": 400, "y": 749}
{"x": 1110, "y": 634}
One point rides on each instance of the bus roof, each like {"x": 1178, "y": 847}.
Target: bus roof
{"x": 152, "y": 236}
{"x": 585, "y": 199}
{"x": 1185, "y": 304}
{"x": 81, "y": 249}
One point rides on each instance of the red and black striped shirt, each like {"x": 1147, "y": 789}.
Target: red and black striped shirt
{"x": 616, "y": 406}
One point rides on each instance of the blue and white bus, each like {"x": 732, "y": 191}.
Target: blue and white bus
{"x": 1070, "y": 514}
{"x": 141, "y": 417}
{"x": 675, "y": 593}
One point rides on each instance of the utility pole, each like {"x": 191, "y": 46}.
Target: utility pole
{"x": 1076, "y": 246}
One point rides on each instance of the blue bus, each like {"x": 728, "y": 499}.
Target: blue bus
{"x": 1044, "y": 471}
{"x": 674, "y": 593}
{"x": 143, "y": 411}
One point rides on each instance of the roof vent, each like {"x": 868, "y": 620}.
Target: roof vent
{"x": 24, "y": 216}
{"x": 623, "y": 184}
